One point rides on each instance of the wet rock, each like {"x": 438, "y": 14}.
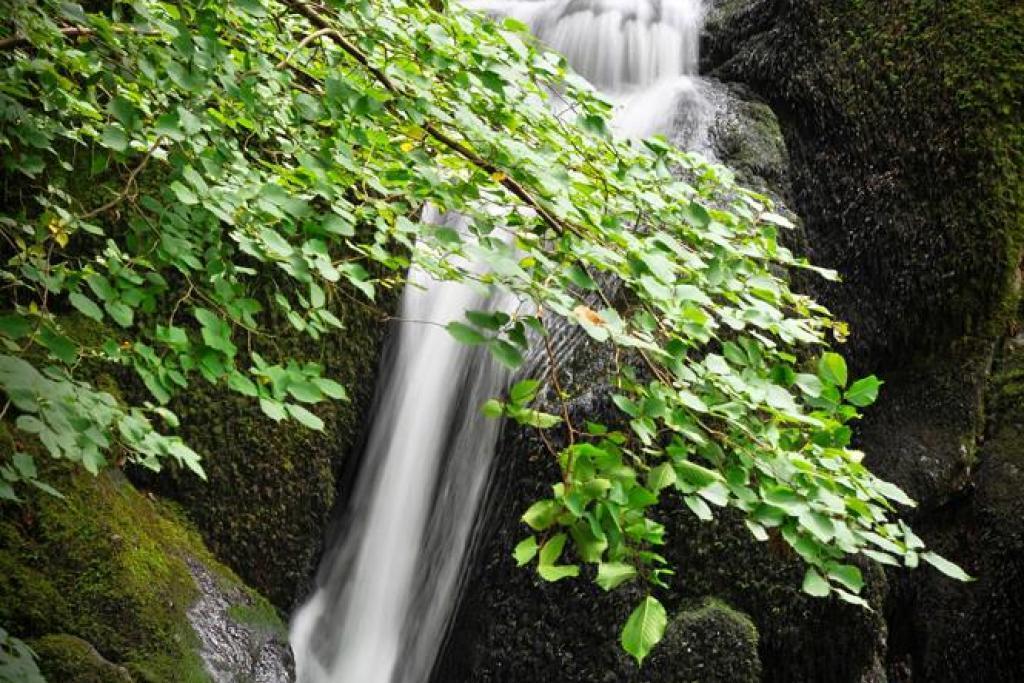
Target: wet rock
{"x": 240, "y": 640}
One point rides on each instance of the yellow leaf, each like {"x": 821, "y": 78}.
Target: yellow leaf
{"x": 408, "y": 147}
{"x": 590, "y": 315}
{"x": 498, "y": 176}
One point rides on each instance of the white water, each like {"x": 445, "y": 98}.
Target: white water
{"x": 385, "y": 593}
{"x": 642, "y": 53}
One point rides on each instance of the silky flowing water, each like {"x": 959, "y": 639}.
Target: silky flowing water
{"x": 386, "y": 590}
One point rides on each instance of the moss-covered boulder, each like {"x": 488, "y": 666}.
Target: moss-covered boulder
{"x": 103, "y": 583}
{"x": 907, "y": 144}
{"x": 69, "y": 658}
{"x": 271, "y": 486}
{"x": 708, "y": 642}
{"x": 907, "y": 141}
{"x": 947, "y": 631}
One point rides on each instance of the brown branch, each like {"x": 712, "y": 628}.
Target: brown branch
{"x": 127, "y": 186}
{"x": 557, "y": 385}
{"x": 303, "y": 43}
{"x": 19, "y": 40}
{"x": 359, "y": 56}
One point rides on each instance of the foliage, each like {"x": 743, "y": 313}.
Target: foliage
{"x": 232, "y": 147}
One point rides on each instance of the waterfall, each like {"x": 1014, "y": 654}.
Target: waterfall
{"x": 386, "y": 590}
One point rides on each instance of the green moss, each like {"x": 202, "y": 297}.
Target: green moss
{"x": 271, "y": 486}
{"x": 106, "y": 568}
{"x": 956, "y": 80}
{"x": 67, "y": 658}
{"x": 907, "y": 140}
{"x": 260, "y": 615}
{"x": 709, "y": 642}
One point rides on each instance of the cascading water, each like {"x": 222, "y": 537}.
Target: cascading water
{"x": 386, "y": 591}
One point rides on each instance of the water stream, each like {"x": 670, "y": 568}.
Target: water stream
{"x": 386, "y": 590}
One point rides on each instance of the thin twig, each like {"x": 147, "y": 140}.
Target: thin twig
{"x": 303, "y": 43}
{"x": 127, "y": 186}
{"x": 18, "y": 40}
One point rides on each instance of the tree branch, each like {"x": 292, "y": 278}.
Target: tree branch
{"x": 325, "y": 29}
{"x": 127, "y": 186}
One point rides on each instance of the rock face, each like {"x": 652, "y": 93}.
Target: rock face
{"x": 111, "y": 586}
{"x": 907, "y": 170}
{"x": 271, "y": 486}
{"x": 904, "y": 138}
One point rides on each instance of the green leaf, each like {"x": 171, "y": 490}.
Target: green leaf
{"x": 59, "y": 345}
{"x": 122, "y": 314}
{"x": 848, "y": 575}
{"x": 613, "y": 574}
{"x": 818, "y": 524}
{"x": 552, "y": 549}
{"x": 557, "y": 572}
{"x": 525, "y": 550}
{"x": 695, "y": 475}
{"x": 305, "y": 417}
{"x": 524, "y": 391}
{"x": 894, "y": 492}
{"x": 699, "y": 508}
{"x": 661, "y": 476}
{"x": 14, "y": 326}
{"x": 864, "y": 391}
{"x": 184, "y": 194}
{"x": 242, "y": 384}
{"x": 948, "y": 568}
{"x": 814, "y": 584}
{"x": 114, "y": 137}
{"x": 86, "y": 305}
{"x": 273, "y": 409}
{"x": 307, "y": 392}
{"x": 832, "y": 369}
{"x": 579, "y": 277}
{"x": 644, "y": 628}
{"x": 542, "y": 514}
{"x": 505, "y": 353}
{"x": 25, "y": 465}
{"x": 465, "y": 334}
{"x": 331, "y": 388}
{"x": 492, "y": 408}
{"x": 697, "y": 215}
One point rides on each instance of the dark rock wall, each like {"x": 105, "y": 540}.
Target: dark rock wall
{"x": 906, "y": 137}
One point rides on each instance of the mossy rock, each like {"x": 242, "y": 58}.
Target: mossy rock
{"x": 68, "y": 658}
{"x": 101, "y": 582}
{"x": 904, "y": 126}
{"x": 907, "y": 140}
{"x": 945, "y": 630}
{"x": 271, "y": 486}
{"x": 708, "y": 642}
